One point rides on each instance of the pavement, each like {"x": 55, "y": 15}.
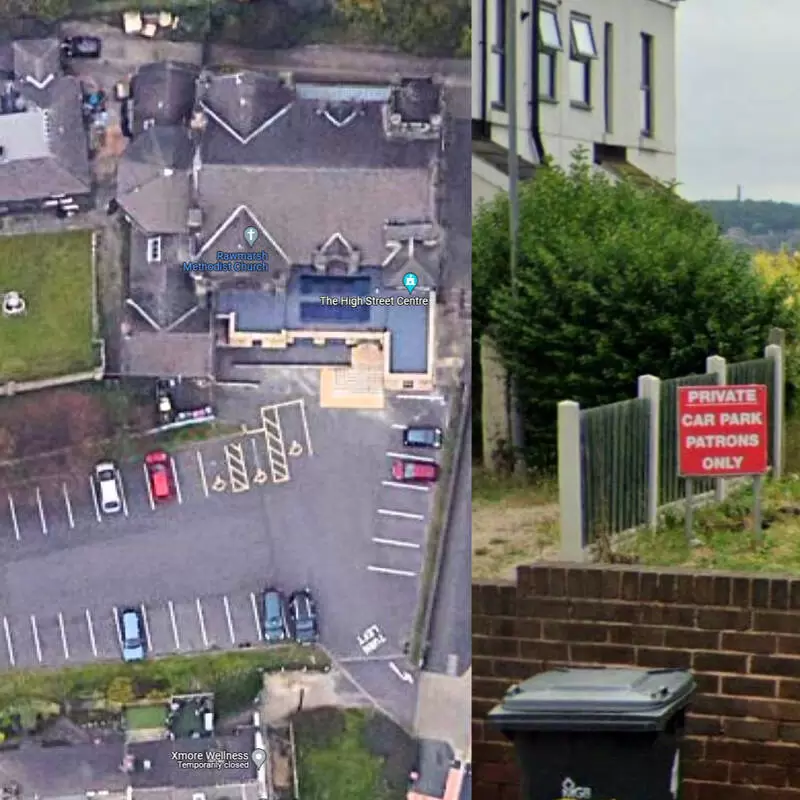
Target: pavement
{"x": 303, "y": 497}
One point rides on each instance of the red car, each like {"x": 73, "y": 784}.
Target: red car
{"x": 415, "y": 471}
{"x": 160, "y": 476}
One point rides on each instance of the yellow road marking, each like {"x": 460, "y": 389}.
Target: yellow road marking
{"x": 237, "y": 467}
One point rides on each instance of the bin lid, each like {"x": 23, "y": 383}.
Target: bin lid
{"x": 581, "y": 699}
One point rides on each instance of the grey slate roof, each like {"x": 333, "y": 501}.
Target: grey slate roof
{"x": 160, "y": 354}
{"x": 54, "y": 772}
{"x": 153, "y": 180}
{"x": 65, "y": 170}
{"x": 302, "y": 208}
{"x": 35, "y": 60}
{"x": 163, "y": 92}
{"x": 244, "y": 102}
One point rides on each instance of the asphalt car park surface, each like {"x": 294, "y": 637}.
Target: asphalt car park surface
{"x": 298, "y": 499}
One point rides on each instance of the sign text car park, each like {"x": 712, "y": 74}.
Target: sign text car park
{"x": 722, "y": 431}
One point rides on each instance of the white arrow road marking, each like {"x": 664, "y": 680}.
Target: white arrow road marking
{"x": 406, "y": 677}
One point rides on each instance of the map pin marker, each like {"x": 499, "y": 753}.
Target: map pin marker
{"x": 259, "y": 757}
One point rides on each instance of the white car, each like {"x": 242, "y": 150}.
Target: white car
{"x": 106, "y": 478}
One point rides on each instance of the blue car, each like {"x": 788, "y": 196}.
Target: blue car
{"x": 131, "y": 623}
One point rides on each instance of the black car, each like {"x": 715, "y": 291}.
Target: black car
{"x": 303, "y": 617}
{"x": 82, "y": 47}
{"x": 423, "y": 436}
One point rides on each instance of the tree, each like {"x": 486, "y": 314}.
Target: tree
{"x": 614, "y": 281}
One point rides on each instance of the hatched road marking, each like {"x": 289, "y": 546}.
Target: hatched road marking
{"x": 237, "y": 467}
{"x": 276, "y": 448}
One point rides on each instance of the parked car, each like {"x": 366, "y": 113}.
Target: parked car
{"x": 303, "y": 617}
{"x": 131, "y": 625}
{"x": 82, "y": 47}
{"x": 273, "y": 616}
{"x": 160, "y": 476}
{"x": 423, "y": 436}
{"x": 107, "y": 483}
{"x": 414, "y": 471}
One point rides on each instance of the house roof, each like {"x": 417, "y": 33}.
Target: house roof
{"x": 163, "y": 92}
{"x": 300, "y": 208}
{"x": 37, "y": 61}
{"x": 153, "y": 181}
{"x": 155, "y": 354}
{"x": 46, "y": 148}
{"x": 63, "y": 771}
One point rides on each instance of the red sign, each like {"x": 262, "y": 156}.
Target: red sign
{"x": 722, "y": 431}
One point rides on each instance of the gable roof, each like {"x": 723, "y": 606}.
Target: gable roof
{"x": 153, "y": 182}
{"x": 46, "y": 150}
{"x": 163, "y": 92}
{"x": 37, "y": 61}
{"x": 302, "y": 208}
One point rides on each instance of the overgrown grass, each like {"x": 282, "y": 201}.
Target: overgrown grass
{"x": 227, "y": 674}
{"x": 142, "y": 717}
{"x": 53, "y": 273}
{"x": 725, "y": 534}
{"x": 338, "y": 756}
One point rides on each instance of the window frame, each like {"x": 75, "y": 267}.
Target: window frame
{"x": 608, "y": 77}
{"x": 584, "y": 58}
{"x": 499, "y": 52}
{"x": 646, "y": 89}
{"x": 547, "y": 53}
{"x": 154, "y": 258}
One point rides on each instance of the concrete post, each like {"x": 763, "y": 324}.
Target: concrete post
{"x": 775, "y": 352}
{"x": 717, "y": 365}
{"x": 649, "y": 388}
{"x": 570, "y": 481}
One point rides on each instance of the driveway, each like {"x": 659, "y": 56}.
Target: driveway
{"x": 301, "y": 497}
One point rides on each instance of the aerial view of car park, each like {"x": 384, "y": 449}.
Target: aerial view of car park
{"x": 231, "y": 427}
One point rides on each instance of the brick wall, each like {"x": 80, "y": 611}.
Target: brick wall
{"x": 739, "y": 634}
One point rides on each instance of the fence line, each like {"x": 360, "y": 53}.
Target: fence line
{"x": 618, "y": 463}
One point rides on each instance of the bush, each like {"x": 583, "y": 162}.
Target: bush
{"x": 613, "y": 281}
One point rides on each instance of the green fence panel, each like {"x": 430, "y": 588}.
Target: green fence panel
{"x": 759, "y": 371}
{"x": 672, "y": 487}
{"x": 614, "y": 456}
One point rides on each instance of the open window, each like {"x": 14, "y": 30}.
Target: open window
{"x": 583, "y": 50}
{"x": 550, "y": 45}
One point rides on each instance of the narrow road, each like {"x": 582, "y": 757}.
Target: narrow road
{"x": 451, "y": 648}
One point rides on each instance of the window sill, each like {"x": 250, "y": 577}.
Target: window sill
{"x": 579, "y": 106}
{"x": 495, "y": 106}
{"x": 543, "y": 98}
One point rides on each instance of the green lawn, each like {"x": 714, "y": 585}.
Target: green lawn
{"x": 142, "y": 717}
{"x": 53, "y": 273}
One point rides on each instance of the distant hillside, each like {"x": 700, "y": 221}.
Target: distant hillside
{"x": 754, "y": 216}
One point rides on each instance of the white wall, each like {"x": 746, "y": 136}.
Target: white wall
{"x": 564, "y": 127}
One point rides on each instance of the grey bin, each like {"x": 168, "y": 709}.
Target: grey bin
{"x": 598, "y": 734}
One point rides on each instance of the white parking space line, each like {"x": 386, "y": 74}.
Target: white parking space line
{"x": 412, "y": 486}
{"x": 174, "y": 624}
{"x": 385, "y": 512}
{"x": 36, "y": 643}
{"x": 396, "y": 543}
{"x": 90, "y": 628}
{"x": 115, "y": 612}
{"x": 63, "y": 635}
{"x": 202, "y": 473}
{"x": 93, "y": 492}
{"x": 146, "y": 629}
{"x": 13, "y": 510}
{"x": 255, "y": 614}
{"x": 178, "y": 491}
{"x": 122, "y": 495}
{"x": 42, "y": 519}
{"x": 9, "y": 644}
{"x": 407, "y": 457}
{"x": 68, "y": 505}
{"x": 403, "y": 573}
{"x": 202, "y": 620}
{"x": 149, "y": 488}
{"x": 229, "y": 618}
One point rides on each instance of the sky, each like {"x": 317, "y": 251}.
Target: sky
{"x": 738, "y": 101}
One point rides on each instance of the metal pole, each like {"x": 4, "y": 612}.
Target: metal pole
{"x": 513, "y": 206}
{"x": 689, "y": 511}
{"x": 757, "y": 525}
